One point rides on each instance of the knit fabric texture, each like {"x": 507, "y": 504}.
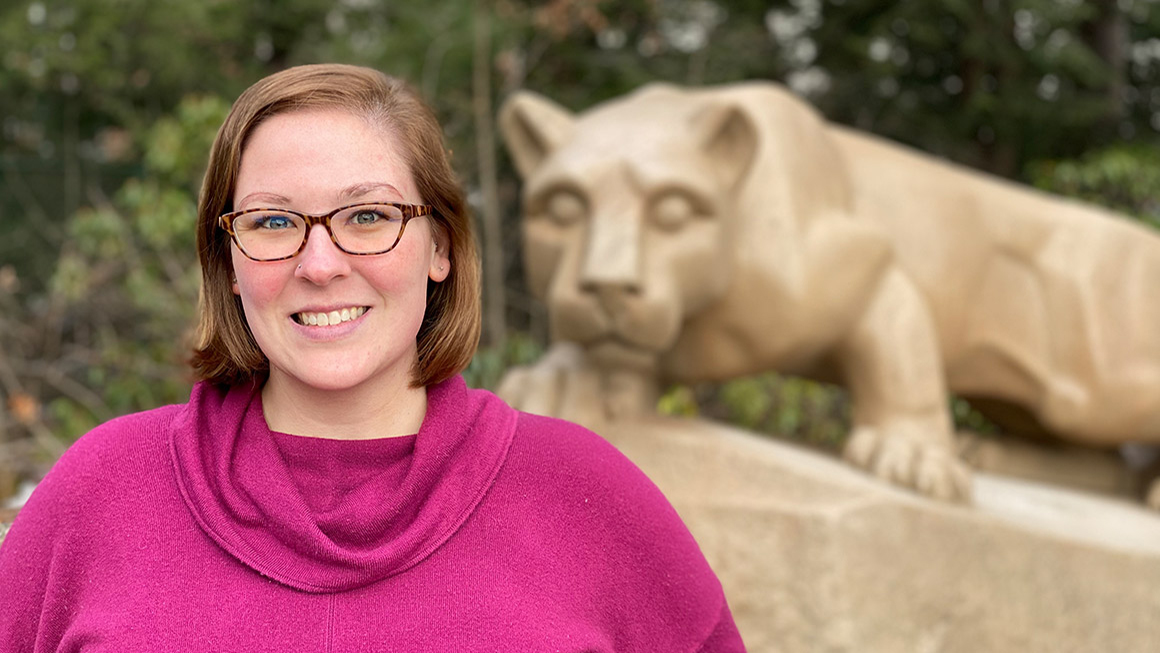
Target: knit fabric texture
{"x": 195, "y": 527}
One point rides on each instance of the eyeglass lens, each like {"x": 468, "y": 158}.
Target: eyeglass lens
{"x": 275, "y": 234}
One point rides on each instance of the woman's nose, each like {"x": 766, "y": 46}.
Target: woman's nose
{"x": 321, "y": 260}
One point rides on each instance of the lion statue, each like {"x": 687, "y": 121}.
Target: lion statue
{"x": 704, "y": 234}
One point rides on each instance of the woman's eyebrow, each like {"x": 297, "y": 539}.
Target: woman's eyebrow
{"x": 358, "y": 190}
{"x": 352, "y": 192}
{"x": 273, "y": 198}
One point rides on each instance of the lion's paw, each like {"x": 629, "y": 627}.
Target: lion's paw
{"x": 1153, "y": 498}
{"x": 558, "y": 385}
{"x": 928, "y": 467}
{"x": 565, "y": 384}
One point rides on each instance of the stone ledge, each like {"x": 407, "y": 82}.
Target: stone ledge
{"x": 816, "y": 556}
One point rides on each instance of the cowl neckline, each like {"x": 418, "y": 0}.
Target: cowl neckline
{"x": 235, "y": 482}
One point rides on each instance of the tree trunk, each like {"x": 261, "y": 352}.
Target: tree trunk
{"x": 1107, "y": 35}
{"x": 494, "y": 296}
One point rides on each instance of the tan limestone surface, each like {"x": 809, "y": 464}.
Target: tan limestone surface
{"x": 816, "y": 556}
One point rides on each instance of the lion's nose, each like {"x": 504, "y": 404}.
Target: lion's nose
{"x": 624, "y": 286}
{"x": 612, "y": 258}
{"x": 613, "y": 283}
{"x": 615, "y": 300}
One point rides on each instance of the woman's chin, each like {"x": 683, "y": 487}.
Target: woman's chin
{"x": 332, "y": 379}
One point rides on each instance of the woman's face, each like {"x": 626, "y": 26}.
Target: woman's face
{"x": 314, "y": 161}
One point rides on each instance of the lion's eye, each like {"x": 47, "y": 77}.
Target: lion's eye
{"x": 565, "y": 207}
{"x": 672, "y": 211}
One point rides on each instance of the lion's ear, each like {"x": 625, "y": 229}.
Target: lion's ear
{"x": 729, "y": 138}
{"x": 533, "y": 127}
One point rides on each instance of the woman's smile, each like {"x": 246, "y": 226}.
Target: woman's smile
{"x": 325, "y": 326}
{"x": 329, "y": 318}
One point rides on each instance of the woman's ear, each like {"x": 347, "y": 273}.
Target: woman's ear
{"x": 440, "y": 255}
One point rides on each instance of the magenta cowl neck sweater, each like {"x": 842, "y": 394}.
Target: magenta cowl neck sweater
{"x": 196, "y": 528}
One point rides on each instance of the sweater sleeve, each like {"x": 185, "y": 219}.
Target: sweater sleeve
{"x": 30, "y": 566}
{"x": 66, "y": 531}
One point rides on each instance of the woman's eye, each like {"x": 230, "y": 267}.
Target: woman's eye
{"x": 367, "y": 217}
{"x": 274, "y": 222}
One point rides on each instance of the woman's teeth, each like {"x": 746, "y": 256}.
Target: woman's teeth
{"x": 333, "y": 317}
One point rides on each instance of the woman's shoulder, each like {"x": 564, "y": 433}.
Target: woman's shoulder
{"x": 566, "y": 447}
{"x": 604, "y": 513}
{"x": 123, "y": 438}
{"x": 116, "y": 452}
{"x": 570, "y": 462}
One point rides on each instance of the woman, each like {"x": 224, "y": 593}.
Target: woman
{"x": 332, "y": 485}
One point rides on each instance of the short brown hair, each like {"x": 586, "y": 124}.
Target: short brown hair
{"x": 225, "y": 350}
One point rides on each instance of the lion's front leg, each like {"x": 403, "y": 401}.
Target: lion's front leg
{"x": 902, "y": 426}
{"x": 568, "y": 384}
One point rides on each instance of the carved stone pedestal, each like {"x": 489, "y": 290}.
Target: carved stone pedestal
{"x": 816, "y": 556}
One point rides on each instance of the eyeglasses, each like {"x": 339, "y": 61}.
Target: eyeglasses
{"x": 358, "y": 229}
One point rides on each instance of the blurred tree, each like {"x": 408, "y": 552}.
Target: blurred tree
{"x": 994, "y": 84}
{"x": 82, "y": 79}
{"x": 109, "y": 333}
{"x": 1123, "y": 178}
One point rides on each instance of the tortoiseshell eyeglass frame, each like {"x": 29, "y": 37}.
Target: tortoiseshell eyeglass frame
{"x": 409, "y": 211}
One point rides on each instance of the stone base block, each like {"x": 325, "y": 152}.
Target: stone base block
{"x": 818, "y": 557}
